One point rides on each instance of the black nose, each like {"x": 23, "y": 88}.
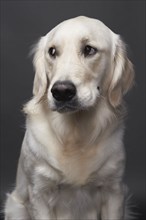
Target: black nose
{"x": 63, "y": 91}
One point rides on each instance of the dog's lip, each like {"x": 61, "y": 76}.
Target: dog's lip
{"x": 71, "y": 106}
{"x": 66, "y": 108}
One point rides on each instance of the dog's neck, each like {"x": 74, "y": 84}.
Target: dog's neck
{"x": 80, "y": 129}
{"x": 83, "y": 127}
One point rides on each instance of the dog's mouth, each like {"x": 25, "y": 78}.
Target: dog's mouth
{"x": 63, "y": 107}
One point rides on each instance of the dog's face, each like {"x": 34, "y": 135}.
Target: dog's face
{"x": 78, "y": 62}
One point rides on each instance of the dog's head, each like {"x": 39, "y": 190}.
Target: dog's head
{"x": 78, "y": 62}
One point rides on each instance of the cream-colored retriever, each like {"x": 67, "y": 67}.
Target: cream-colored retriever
{"x": 72, "y": 159}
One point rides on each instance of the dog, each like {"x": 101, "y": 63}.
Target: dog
{"x": 72, "y": 159}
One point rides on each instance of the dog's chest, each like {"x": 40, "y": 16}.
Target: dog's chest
{"x": 78, "y": 166}
{"x": 72, "y": 160}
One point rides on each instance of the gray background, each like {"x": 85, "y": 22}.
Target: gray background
{"x": 22, "y": 23}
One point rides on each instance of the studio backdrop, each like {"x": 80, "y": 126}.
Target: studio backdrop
{"x": 22, "y": 24}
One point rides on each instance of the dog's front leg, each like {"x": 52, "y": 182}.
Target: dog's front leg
{"x": 39, "y": 208}
{"x": 113, "y": 203}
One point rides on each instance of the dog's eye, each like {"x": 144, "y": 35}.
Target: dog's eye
{"x": 89, "y": 51}
{"x": 52, "y": 52}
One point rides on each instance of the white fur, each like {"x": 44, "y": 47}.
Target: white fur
{"x": 72, "y": 163}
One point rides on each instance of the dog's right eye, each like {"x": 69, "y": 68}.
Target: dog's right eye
{"x": 52, "y": 52}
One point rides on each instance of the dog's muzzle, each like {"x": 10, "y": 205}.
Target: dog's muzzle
{"x": 64, "y": 94}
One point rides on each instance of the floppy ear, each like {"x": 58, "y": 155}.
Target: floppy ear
{"x": 122, "y": 76}
{"x": 40, "y": 79}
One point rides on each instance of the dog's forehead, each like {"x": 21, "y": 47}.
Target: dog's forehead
{"x": 82, "y": 28}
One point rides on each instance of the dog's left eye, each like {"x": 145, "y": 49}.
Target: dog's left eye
{"x": 89, "y": 51}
